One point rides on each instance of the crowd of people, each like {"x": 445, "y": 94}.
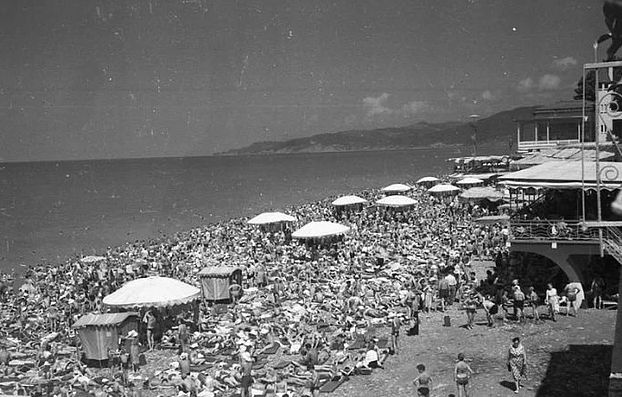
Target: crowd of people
{"x": 327, "y": 302}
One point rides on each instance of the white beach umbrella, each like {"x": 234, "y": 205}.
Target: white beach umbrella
{"x": 152, "y": 292}
{"x": 469, "y": 181}
{"x": 396, "y": 188}
{"x": 396, "y": 201}
{"x": 271, "y": 217}
{"x": 348, "y": 200}
{"x": 428, "y": 179}
{"x": 444, "y": 189}
{"x": 320, "y": 229}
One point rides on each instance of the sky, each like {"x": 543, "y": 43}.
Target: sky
{"x": 86, "y": 79}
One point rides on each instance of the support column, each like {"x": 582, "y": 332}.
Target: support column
{"x": 535, "y": 128}
{"x": 615, "y": 379}
{"x": 548, "y": 131}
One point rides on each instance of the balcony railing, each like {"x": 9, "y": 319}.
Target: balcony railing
{"x": 540, "y": 144}
{"x": 551, "y": 230}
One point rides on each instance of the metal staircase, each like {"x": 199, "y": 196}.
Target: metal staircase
{"x": 612, "y": 242}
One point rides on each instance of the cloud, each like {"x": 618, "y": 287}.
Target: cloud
{"x": 377, "y": 105}
{"x": 487, "y": 95}
{"x": 413, "y": 108}
{"x": 549, "y": 82}
{"x": 564, "y": 63}
{"x": 525, "y": 85}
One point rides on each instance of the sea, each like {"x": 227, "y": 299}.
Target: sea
{"x": 52, "y": 211}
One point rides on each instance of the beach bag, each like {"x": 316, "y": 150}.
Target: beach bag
{"x": 446, "y": 321}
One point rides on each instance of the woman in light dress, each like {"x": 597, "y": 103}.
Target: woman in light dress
{"x": 517, "y": 362}
{"x": 552, "y": 301}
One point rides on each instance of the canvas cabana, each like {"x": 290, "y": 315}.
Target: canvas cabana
{"x": 99, "y": 333}
{"x": 216, "y": 280}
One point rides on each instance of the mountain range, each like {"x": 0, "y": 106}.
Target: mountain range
{"x": 498, "y": 129}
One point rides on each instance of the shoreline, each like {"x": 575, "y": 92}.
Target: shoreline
{"x": 149, "y": 230}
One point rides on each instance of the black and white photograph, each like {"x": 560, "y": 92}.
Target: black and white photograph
{"x": 305, "y": 198}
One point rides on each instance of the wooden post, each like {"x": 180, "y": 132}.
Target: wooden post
{"x": 615, "y": 379}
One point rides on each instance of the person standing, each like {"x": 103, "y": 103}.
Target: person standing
{"x": 575, "y": 296}
{"x": 462, "y": 375}
{"x": 598, "y": 285}
{"x": 395, "y": 331}
{"x": 519, "y": 303}
{"x": 182, "y": 335}
{"x": 246, "y": 363}
{"x": 453, "y": 287}
{"x": 150, "y": 320}
{"x": 552, "y": 301}
{"x": 443, "y": 292}
{"x": 517, "y": 362}
{"x": 470, "y": 305}
{"x": 423, "y": 382}
{"x": 533, "y": 299}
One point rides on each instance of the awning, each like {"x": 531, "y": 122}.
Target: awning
{"x": 348, "y": 200}
{"x": 102, "y": 320}
{"x": 320, "y": 229}
{"x": 566, "y": 174}
{"x": 218, "y": 271}
{"x": 396, "y": 188}
{"x": 396, "y": 201}
{"x": 549, "y": 155}
{"x": 480, "y": 193}
{"x": 470, "y": 181}
{"x": 152, "y": 292}
{"x": 271, "y": 217}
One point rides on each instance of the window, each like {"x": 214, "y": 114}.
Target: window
{"x": 527, "y": 132}
{"x": 563, "y": 130}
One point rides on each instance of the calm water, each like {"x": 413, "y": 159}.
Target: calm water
{"x": 51, "y": 211}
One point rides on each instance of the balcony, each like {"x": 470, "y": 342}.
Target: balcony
{"x": 525, "y": 146}
{"x": 551, "y": 230}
